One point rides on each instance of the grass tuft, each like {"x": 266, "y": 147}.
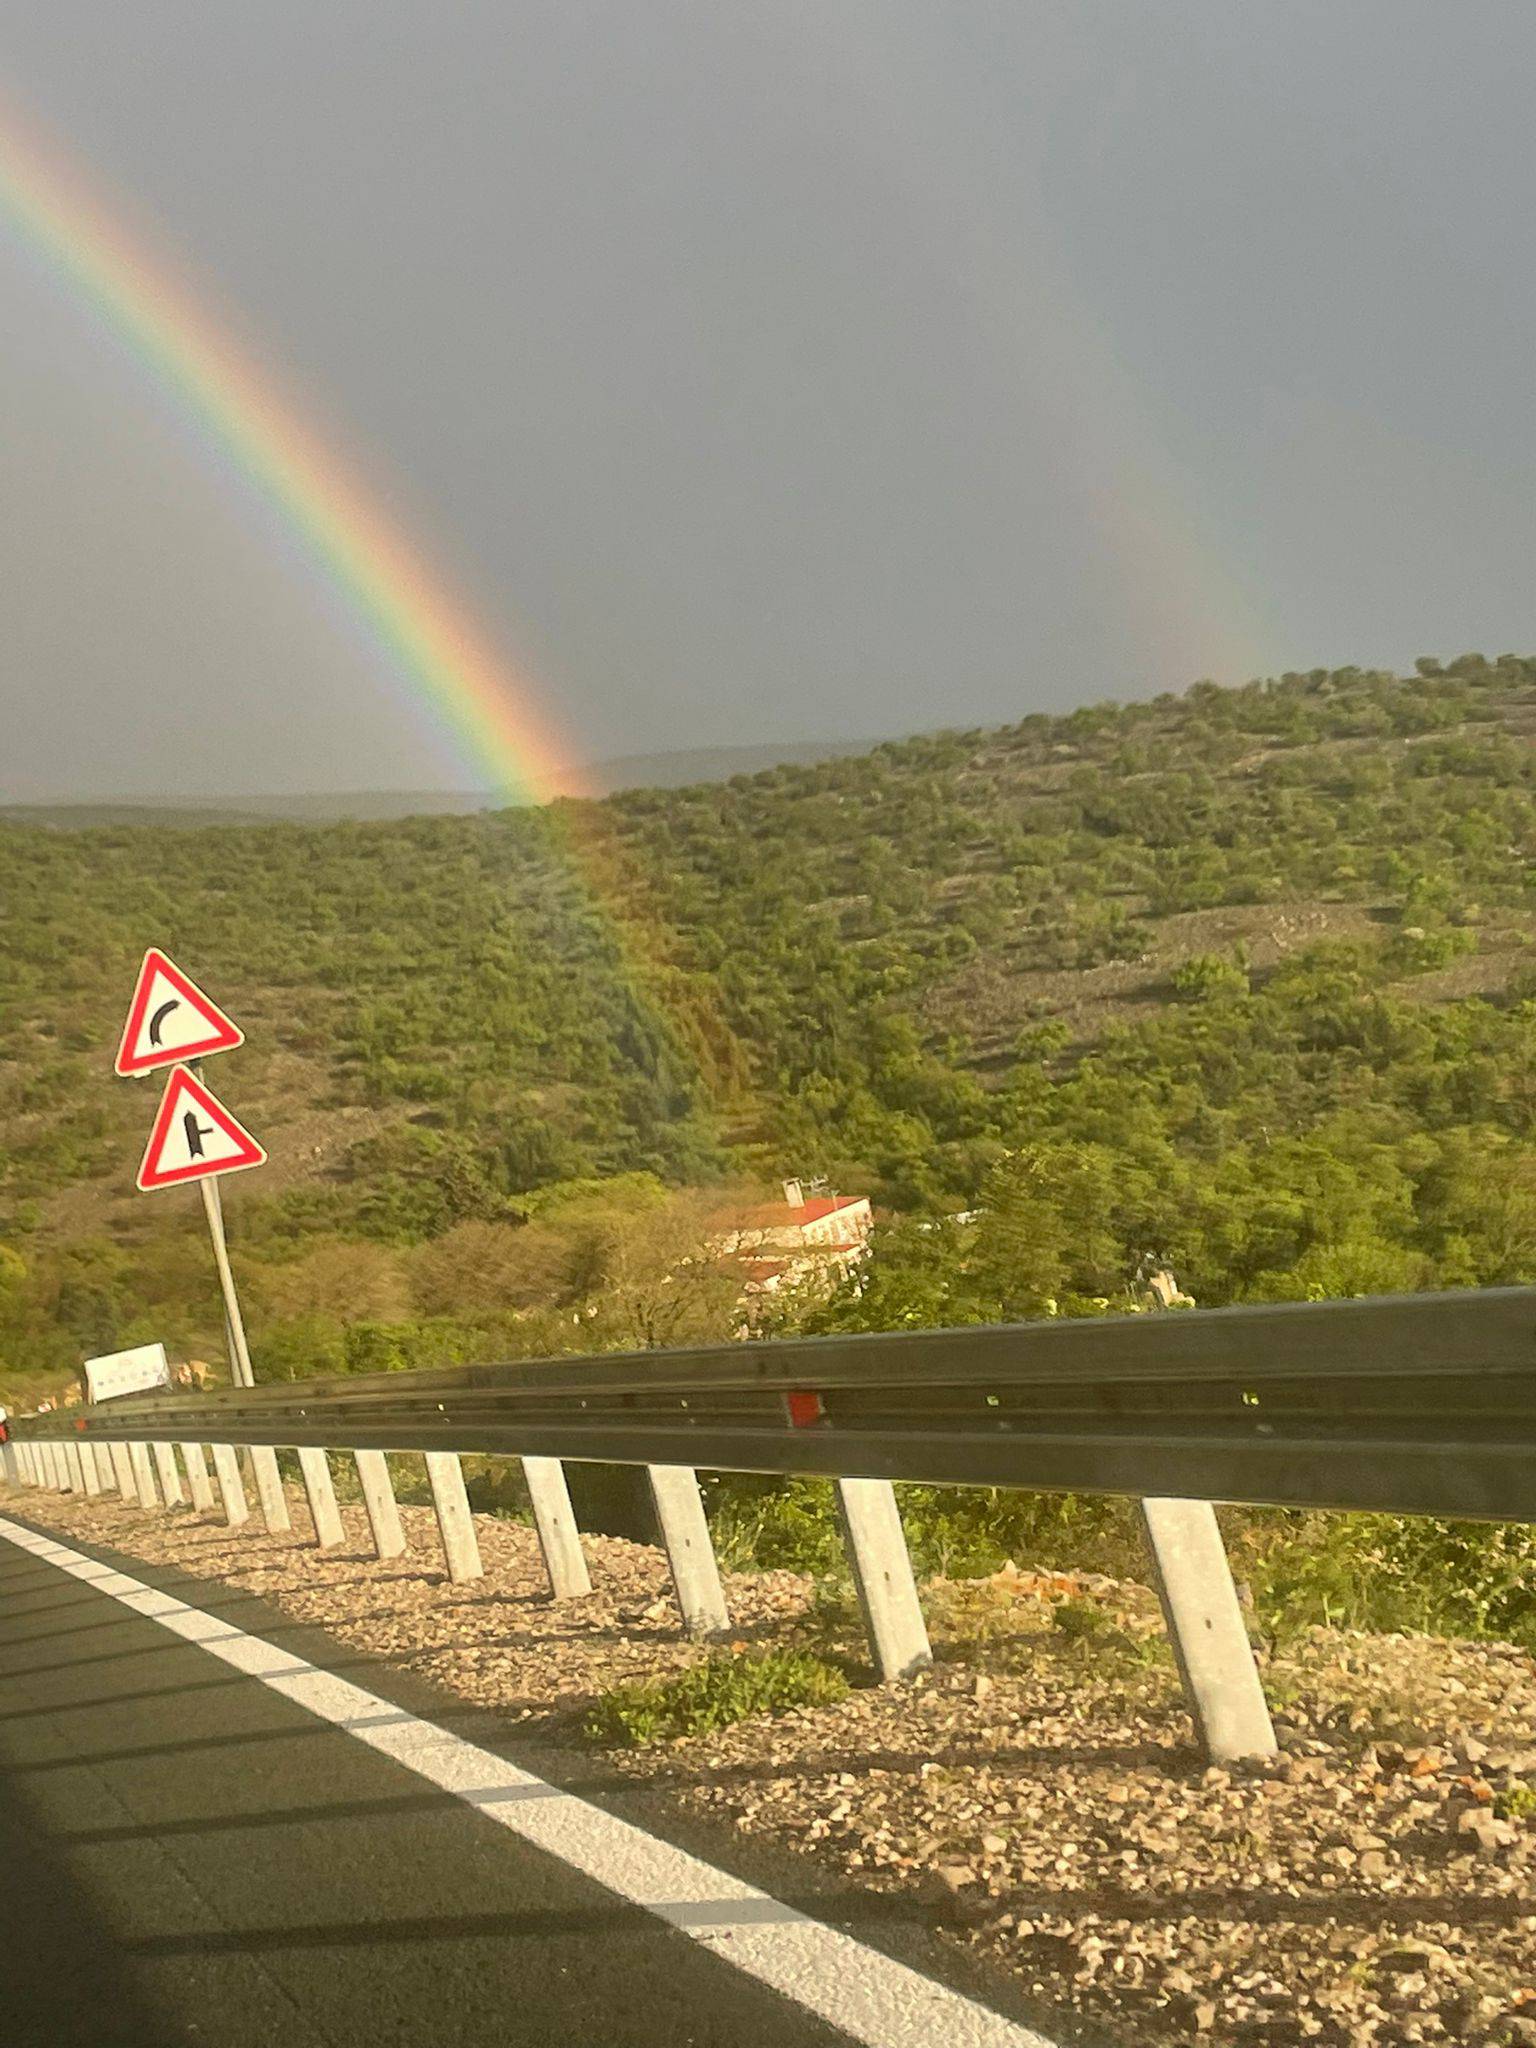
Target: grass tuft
{"x": 714, "y": 1694}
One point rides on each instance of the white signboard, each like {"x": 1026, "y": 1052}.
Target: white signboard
{"x": 126, "y": 1372}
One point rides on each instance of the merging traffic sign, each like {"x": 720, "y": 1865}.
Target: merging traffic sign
{"x": 171, "y": 1020}
{"x": 194, "y": 1137}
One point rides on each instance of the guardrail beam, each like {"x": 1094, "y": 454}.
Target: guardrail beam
{"x": 1205, "y": 1627}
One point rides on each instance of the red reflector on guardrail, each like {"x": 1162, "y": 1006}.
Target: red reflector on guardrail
{"x": 804, "y": 1409}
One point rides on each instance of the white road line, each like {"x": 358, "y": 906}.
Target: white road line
{"x": 868, "y": 1996}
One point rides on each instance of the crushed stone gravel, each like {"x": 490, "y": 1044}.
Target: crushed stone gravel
{"x": 1038, "y": 1788}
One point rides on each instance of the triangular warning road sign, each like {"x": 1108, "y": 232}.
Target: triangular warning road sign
{"x": 194, "y": 1137}
{"x": 170, "y": 1019}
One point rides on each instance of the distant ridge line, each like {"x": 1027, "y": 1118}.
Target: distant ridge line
{"x": 675, "y": 770}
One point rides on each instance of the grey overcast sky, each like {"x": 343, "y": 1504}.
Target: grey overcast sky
{"x": 771, "y": 371}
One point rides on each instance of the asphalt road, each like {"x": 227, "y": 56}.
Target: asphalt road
{"x": 185, "y": 1856}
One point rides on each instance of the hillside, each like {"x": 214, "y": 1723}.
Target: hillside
{"x": 1242, "y": 976}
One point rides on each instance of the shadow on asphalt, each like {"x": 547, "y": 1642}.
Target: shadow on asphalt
{"x": 61, "y": 1981}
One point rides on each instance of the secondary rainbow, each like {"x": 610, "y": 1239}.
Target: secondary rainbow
{"x": 422, "y": 633}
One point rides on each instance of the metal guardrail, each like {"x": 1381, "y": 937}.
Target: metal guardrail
{"x": 1419, "y": 1404}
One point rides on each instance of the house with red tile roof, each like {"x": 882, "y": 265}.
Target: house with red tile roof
{"x": 814, "y": 1233}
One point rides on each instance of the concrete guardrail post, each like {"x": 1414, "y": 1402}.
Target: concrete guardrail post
{"x": 104, "y": 1466}
{"x": 320, "y": 1492}
{"x": 226, "y": 1466}
{"x": 882, "y": 1574}
{"x": 10, "y": 1464}
{"x": 690, "y": 1554}
{"x": 63, "y": 1477}
{"x": 1205, "y": 1626}
{"x": 379, "y": 1500}
{"x": 74, "y": 1466}
{"x": 269, "y": 1489}
{"x": 170, "y": 1478}
{"x": 456, "y": 1525}
{"x": 143, "y": 1475}
{"x": 198, "y": 1483}
{"x": 555, "y": 1520}
{"x": 86, "y": 1453}
{"x": 122, "y": 1466}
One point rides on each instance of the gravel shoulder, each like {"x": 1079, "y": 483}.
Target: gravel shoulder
{"x": 1039, "y": 1786}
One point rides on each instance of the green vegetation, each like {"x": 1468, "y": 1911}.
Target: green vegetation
{"x": 1242, "y": 979}
{"x": 712, "y": 1695}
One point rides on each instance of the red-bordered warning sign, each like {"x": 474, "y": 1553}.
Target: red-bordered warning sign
{"x": 171, "y": 1020}
{"x": 194, "y": 1137}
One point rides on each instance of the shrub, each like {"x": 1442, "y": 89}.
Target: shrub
{"x": 1409, "y": 1572}
{"x": 714, "y": 1694}
{"x": 1208, "y": 976}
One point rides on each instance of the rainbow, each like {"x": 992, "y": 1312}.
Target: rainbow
{"x": 422, "y": 633}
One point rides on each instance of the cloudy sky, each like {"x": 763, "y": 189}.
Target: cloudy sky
{"x": 769, "y": 372}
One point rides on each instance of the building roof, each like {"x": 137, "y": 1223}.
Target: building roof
{"x": 784, "y": 1215}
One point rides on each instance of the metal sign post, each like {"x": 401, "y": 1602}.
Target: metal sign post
{"x": 239, "y": 1354}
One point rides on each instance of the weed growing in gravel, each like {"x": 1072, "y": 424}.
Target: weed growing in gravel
{"x": 1079, "y": 1619}
{"x": 712, "y": 1695}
